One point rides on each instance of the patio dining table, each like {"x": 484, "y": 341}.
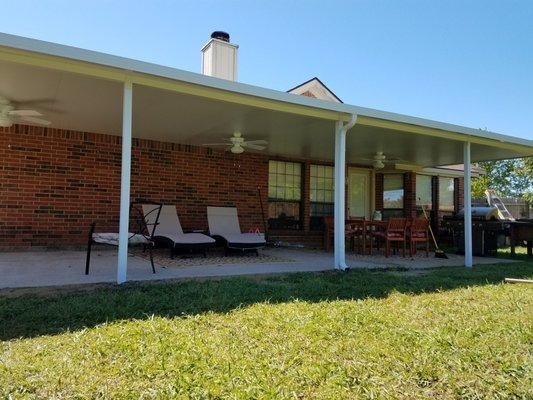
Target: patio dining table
{"x": 364, "y": 227}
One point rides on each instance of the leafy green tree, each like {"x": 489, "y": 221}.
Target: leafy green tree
{"x": 507, "y": 177}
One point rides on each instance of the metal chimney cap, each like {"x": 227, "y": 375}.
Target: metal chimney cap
{"x": 220, "y": 35}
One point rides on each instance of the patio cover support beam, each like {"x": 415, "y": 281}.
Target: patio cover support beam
{"x": 340, "y": 196}
{"x": 127, "y": 103}
{"x": 467, "y": 205}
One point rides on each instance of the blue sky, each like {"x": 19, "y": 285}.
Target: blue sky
{"x": 464, "y": 62}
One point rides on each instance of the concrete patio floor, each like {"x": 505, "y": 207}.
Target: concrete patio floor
{"x": 60, "y": 268}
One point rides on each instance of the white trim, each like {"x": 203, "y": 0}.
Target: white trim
{"x": 445, "y": 172}
{"x": 127, "y": 112}
{"x": 344, "y": 110}
{"x": 467, "y": 206}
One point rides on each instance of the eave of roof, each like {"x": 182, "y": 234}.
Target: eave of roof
{"x": 319, "y": 81}
{"x": 121, "y": 68}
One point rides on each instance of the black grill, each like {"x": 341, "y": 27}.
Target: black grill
{"x": 488, "y": 232}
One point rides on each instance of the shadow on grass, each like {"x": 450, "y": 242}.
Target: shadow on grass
{"x": 30, "y": 316}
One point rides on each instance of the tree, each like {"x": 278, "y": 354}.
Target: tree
{"x": 513, "y": 178}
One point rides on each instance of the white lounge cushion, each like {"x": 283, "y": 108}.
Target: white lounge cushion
{"x": 188, "y": 238}
{"x": 168, "y": 222}
{"x": 112, "y": 238}
{"x": 223, "y": 220}
{"x": 244, "y": 238}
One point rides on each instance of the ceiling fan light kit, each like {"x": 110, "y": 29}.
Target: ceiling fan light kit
{"x": 378, "y": 164}
{"x": 237, "y": 144}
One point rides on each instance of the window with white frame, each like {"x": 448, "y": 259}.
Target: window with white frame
{"x": 284, "y": 194}
{"x": 393, "y": 191}
{"x": 446, "y": 194}
{"x": 424, "y": 191}
{"x": 321, "y": 193}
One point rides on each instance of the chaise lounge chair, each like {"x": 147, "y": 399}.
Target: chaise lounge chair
{"x": 169, "y": 233}
{"x": 140, "y": 236}
{"x": 224, "y": 226}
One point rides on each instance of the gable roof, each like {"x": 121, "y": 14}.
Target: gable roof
{"x": 314, "y": 87}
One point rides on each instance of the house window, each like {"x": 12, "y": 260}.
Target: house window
{"x": 321, "y": 194}
{"x": 424, "y": 191}
{"x": 393, "y": 195}
{"x": 284, "y": 194}
{"x": 446, "y": 194}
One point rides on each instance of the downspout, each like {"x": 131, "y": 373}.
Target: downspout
{"x": 350, "y": 124}
{"x": 340, "y": 192}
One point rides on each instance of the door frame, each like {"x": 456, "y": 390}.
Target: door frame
{"x": 371, "y": 190}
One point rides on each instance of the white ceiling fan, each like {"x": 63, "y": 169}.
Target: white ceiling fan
{"x": 237, "y": 144}
{"x": 380, "y": 159}
{"x": 9, "y": 115}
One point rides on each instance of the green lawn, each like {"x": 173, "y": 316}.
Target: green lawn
{"x": 448, "y": 333}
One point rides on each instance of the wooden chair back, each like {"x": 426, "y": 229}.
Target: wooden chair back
{"x": 396, "y": 225}
{"x": 419, "y": 225}
{"x": 328, "y": 223}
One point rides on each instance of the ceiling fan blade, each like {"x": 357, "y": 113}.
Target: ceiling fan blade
{"x": 216, "y": 144}
{"x": 33, "y": 102}
{"x": 33, "y": 120}
{"x": 25, "y": 113}
{"x": 252, "y": 146}
{"x": 259, "y": 142}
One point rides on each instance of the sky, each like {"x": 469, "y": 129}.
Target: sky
{"x": 466, "y": 62}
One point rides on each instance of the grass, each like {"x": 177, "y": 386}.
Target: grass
{"x": 447, "y": 333}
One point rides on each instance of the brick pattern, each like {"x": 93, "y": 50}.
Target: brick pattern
{"x": 54, "y": 183}
{"x": 459, "y": 193}
{"x": 409, "y": 195}
{"x": 306, "y": 200}
{"x": 379, "y": 192}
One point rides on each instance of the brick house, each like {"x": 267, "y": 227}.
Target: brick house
{"x": 56, "y": 179}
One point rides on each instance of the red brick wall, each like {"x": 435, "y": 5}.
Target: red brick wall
{"x": 379, "y": 192}
{"x": 409, "y": 195}
{"x": 459, "y": 193}
{"x": 54, "y": 183}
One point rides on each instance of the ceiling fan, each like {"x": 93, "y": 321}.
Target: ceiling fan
{"x": 237, "y": 144}
{"x": 9, "y": 115}
{"x": 380, "y": 159}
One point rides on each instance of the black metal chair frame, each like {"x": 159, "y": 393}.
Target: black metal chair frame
{"x": 142, "y": 228}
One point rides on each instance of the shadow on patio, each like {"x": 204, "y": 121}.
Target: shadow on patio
{"x": 29, "y": 316}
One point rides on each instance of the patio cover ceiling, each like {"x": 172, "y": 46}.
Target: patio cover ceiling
{"x": 82, "y": 90}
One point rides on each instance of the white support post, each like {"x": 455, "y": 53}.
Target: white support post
{"x": 127, "y": 105}
{"x": 339, "y": 217}
{"x": 467, "y": 205}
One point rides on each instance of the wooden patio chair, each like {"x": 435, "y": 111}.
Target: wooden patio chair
{"x": 395, "y": 232}
{"x": 329, "y": 229}
{"x": 418, "y": 232}
{"x": 328, "y": 232}
{"x": 359, "y": 233}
